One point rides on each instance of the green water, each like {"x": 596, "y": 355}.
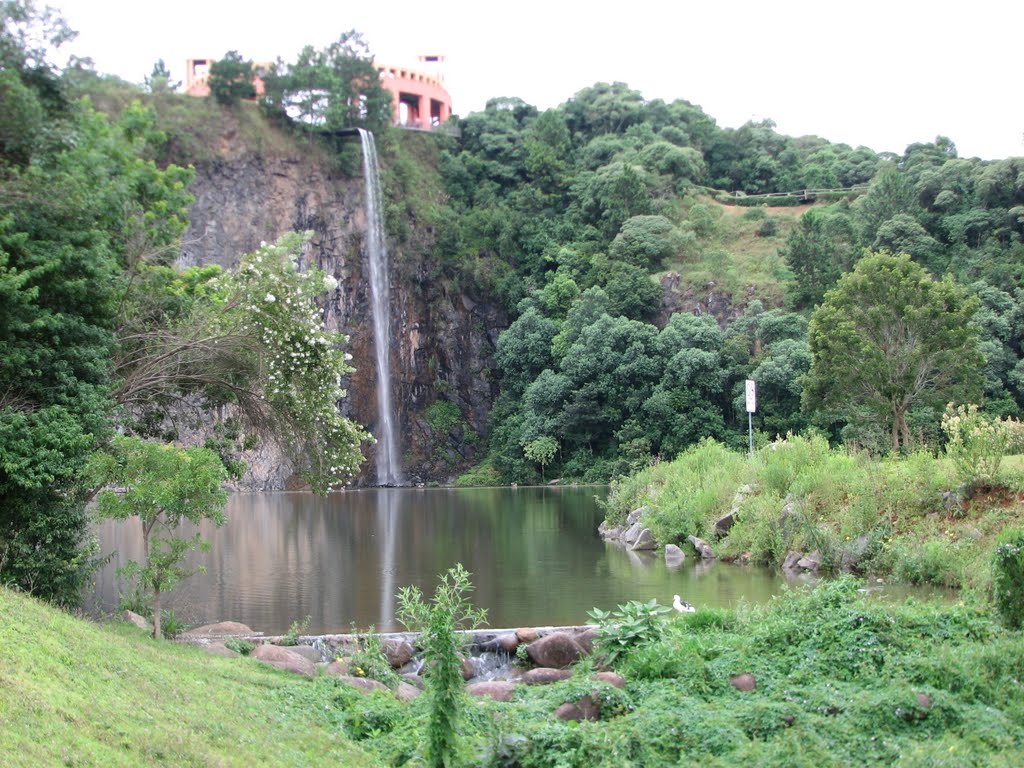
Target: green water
{"x": 534, "y": 553}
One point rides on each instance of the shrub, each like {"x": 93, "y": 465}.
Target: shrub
{"x": 757, "y": 530}
{"x": 483, "y": 473}
{"x": 238, "y": 645}
{"x": 443, "y": 416}
{"x": 297, "y": 628}
{"x": 370, "y": 661}
{"x": 782, "y": 461}
{"x": 439, "y": 621}
{"x": 1008, "y": 581}
{"x": 768, "y": 228}
{"x": 170, "y": 626}
{"x": 937, "y": 561}
{"x": 976, "y": 443}
{"x": 632, "y": 625}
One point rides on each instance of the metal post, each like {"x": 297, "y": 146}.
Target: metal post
{"x": 751, "y": 392}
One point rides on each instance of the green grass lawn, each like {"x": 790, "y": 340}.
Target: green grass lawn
{"x": 77, "y": 693}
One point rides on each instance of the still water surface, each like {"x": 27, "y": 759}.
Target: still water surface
{"x": 534, "y": 553}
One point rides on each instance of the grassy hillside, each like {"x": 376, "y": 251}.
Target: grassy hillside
{"x": 907, "y": 518}
{"x": 76, "y": 693}
{"x": 739, "y": 250}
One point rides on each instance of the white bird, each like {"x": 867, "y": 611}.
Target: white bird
{"x": 681, "y": 605}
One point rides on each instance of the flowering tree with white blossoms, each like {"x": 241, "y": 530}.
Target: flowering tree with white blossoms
{"x": 299, "y": 364}
{"x": 254, "y": 340}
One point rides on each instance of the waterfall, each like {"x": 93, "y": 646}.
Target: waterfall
{"x": 389, "y": 472}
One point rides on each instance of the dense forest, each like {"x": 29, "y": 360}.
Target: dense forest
{"x": 643, "y": 277}
{"x": 576, "y": 216}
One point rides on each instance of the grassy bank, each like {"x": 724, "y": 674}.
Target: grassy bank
{"x": 907, "y": 518}
{"x": 841, "y": 679}
{"x": 76, "y": 693}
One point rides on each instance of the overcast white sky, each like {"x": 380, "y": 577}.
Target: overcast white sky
{"x": 881, "y": 74}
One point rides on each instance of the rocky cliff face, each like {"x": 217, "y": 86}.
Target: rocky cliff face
{"x": 442, "y": 340}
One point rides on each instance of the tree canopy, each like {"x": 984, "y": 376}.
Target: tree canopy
{"x": 888, "y": 338}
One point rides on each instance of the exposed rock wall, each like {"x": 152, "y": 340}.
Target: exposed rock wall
{"x": 442, "y": 340}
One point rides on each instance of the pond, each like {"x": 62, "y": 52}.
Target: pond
{"x": 534, "y": 554}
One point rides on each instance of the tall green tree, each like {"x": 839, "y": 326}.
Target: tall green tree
{"x": 818, "y": 251}
{"x": 80, "y": 199}
{"x": 163, "y": 486}
{"x": 888, "y": 338}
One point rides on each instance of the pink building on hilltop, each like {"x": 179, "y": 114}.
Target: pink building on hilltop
{"x": 418, "y": 96}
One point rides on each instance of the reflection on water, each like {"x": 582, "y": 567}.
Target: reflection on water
{"x": 534, "y": 555}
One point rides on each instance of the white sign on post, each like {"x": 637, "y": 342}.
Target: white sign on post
{"x": 751, "y": 396}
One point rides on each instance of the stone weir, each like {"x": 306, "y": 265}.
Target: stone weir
{"x": 525, "y": 654}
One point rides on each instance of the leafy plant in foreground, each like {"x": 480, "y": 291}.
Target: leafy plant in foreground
{"x": 297, "y": 628}
{"x": 632, "y": 625}
{"x": 369, "y": 660}
{"x": 238, "y": 645}
{"x": 1009, "y": 577}
{"x": 439, "y": 621}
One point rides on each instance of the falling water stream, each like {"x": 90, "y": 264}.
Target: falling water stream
{"x": 389, "y": 471}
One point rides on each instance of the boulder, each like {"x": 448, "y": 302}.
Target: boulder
{"x": 854, "y": 552}
{"x": 507, "y": 642}
{"x": 139, "y": 621}
{"x": 545, "y": 676}
{"x": 219, "y": 629}
{"x": 633, "y": 532}
{"x": 499, "y": 690}
{"x": 725, "y": 523}
{"x": 398, "y": 652}
{"x": 702, "y": 547}
{"x": 307, "y": 652}
{"x": 744, "y": 682}
{"x": 635, "y": 515}
{"x": 792, "y": 558}
{"x": 414, "y": 680}
{"x": 283, "y": 658}
{"x": 811, "y": 562}
{"x": 526, "y": 634}
{"x": 612, "y": 678}
{"x": 217, "y": 648}
{"x": 558, "y": 650}
{"x": 468, "y": 670}
{"x": 407, "y": 692}
{"x": 609, "y": 531}
{"x": 337, "y": 668}
{"x": 645, "y": 541}
{"x": 584, "y": 709}
{"x": 674, "y": 556}
{"x": 363, "y": 684}
{"x": 586, "y": 638}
